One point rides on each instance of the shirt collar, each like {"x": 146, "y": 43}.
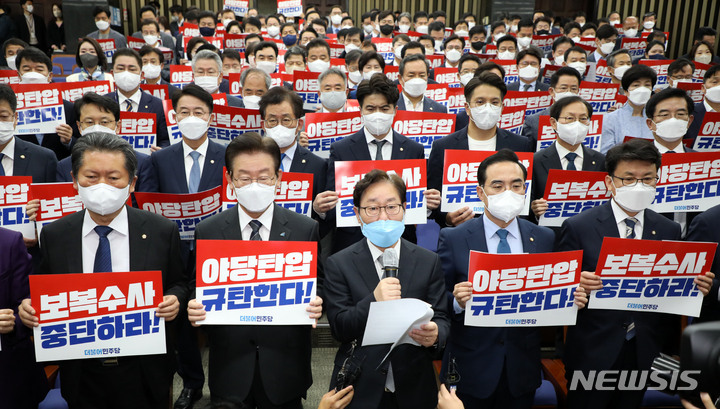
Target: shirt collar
{"x": 409, "y": 103}
{"x": 375, "y": 252}
{"x": 620, "y": 214}
{"x": 202, "y": 148}
{"x": 491, "y": 228}
{"x": 677, "y": 148}
{"x": 708, "y": 108}
{"x": 134, "y": 97}
{"x": 369, "y": 138}
{"x": 9, "y": 149}
{"x": 563, "y": 152}
{"x": 118, "y": 224}
{"x": 265, "y": 218}
{"x": 290, "y": 153}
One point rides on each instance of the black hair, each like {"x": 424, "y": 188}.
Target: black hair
{"x": 147, "y": 49}
{"x": 378, "y": 176}
{"x": 532, "y": 51}
{"x": 560, "y": 41}
{"x": 278, "y": 95}
{"x": 102, "y": 59}
{"x": 148, "y": 8}
{"x": 231, "y": 54}
{"x": 668, "y": 93}
{"x": 558, "y": 106}
{"x": 7, "y": 94}
{"x": 485, "y": 78}
{"x": 105, "y": 104}
{"x": 378, "y": 84}
{"x": 251, "y": 21}
{"x": 711, "y": 71}
{"x": 507, "y": 38}
{"x": 318, "y": 43}
{"x": 103, "y": 142}
{"x": 265, "y": 44}
{"x": 435, "y": 26}
{"x": 555, "y": 78}
{"x": 634, "y": 149}
{"x": 637, "y": 72}
{"x": 251, "y": 142}
{"x": 370, "y": 55}
{"x": 411, "y": 58}
{"x": 127, "y": 52}
{"x": 419, "y": 14}
{"x": 503, "y": 155}
{"x": 193, "y": 91}
{"x": 453, "y": 38}
{"x": 488, "y": 66}
{"x": 606, "y": 31}
{"x": 704, "y": 31}
{"x": 526, "y": 22}
{"x": 101, "y": 9}
{"x": 33, "y": 54}
{"x": 353, "y": 31}
{"x": 350, "y": 57}
{"x": 412, "y": 45}
{"x": 468, "y": 57}
{"x": 678, "y": 65}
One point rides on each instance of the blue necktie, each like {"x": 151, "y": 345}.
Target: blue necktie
{"x": 2, "y": 170}
{"x": 282, "y": 158}
{"x": 503, "y": 247}
{"x": 630, "y": 234}
{"x": 255, "y": 226}
{"x": 194, "y": 181}
{"x": 128, "y": 106}
{"x": 571, "y": 160}
{"x": 103, "y": 260}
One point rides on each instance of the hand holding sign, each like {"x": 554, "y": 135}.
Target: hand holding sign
{"x": 432, "y": 199}
{"x": 704, "y": 282}
{"x": 7, "y": 321}
{"x": 196, "y": 312}
{"x": 462, "y": 293}
{"x": 325, "y": 201}
{"x": 459, "y": 216}
{"x": 27, "y": 314}
{"x": 168, "y": 308}
{"x": 590, "y": 281}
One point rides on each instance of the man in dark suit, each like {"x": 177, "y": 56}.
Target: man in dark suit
{"x": 630, "y": 340}
{"x": 414, "y": 79}
{"x": 570, "y": 119}
{"x": 34, "y": 66}
{"x": 376, "y": 141}
{"x": 498, "y": 367}
{"x": 153, "y": 60}
{"x": 193, "y": 165}
{"x": 484, "y": 98}
{"x": 528, "y": 63}
{"x": 354, "y": 279}
{"x": 31, "y": 27}
{"x": 706, "y": 227}
{"x": 131, "y": 240}
{"x": 710, "y": 102}
{"x": 24, "y": 382}
{"x": 564, "y": 83}
{"x": 97, "y": 113}
{"x": 257, "y": 365}
{"x": 208, "y": 75}
{"x": 127, "y": 70}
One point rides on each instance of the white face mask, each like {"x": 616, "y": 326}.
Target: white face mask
{"x": 620, "y": 71}
{"x": 350, "y": 47}
{"x": 150, "y": 39}
{"x": 336, "y": 19}
{"x": 579, "y": 66}
{"x": 559, "y": 60}
{"x": 378, "y": 123}
{"x": 506, "y": 205}
{"x": 713, "y": 94}
{"x": 103, "y": 199}
{"x": 268, "y": 67}
{"x": 630, "y": 32}
{"x": 453, "y": 56}
{"x": 561, "y": 95}
{"x": 415, "y": 87}
{"x": 102, "y": 25}
{"x": 7, "y": 130}
{"x": 126, "y": 80}
{"x": 208, "y": 83}
{"x": 506, "y": 55}
{"x": 528, "y": 73}
{"x": 355, "y": 76}
{"x": 398, "y": 53}
{"x": 671, "y": 130}
{"x": 251, "y": 102}
{"x": 318, "y": 66}
{"x": 607, "y": 48}
{"x": 33, "y": 78}
{"x": 368, "y": 28}
{"x": 514, "y": 28}
{"x": 485, "y": 116}
{"x": 649, "y": 25}
{"x": 471, "y": 25}
{"x": 255, "y": 197}
{"x": 498, "y": 36}
{"x": 193, "y": 127}
{"x": 404, "y": 28}
{"x": 429, "y": 51}
{"x": 368, "y": 74}
{"x": 151, "y": 71}
{"x": 227, "y": 21}
{"x": 333, "y": 99}
{"x": 640, "y": 95}
{"x": 273, "y": 31}
{"x": 634, "y": 198}
{"x": 96, "y": 128}
{"x": 11, "y": 62}
{"x": 29, "y": 8}
{"x": 465, "y": 78}
{"x": 461, "y": 33}
{"x": 422, "y": 29}
{"x": 524, "y": 42}
{"x": 573, "y": 133}
{"x": 283, "y": 136}
{"x": 704, "y": 58}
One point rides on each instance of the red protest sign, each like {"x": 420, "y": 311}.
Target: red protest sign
{"x": 570, "y": 192}
{"x": 708, "y": 138}
{"x": 324, "y": 128}
{"x": 187, "y": 210}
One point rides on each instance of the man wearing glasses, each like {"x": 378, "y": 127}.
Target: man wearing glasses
{"x": 528, "y": 63}
{"x": 254, "y": 365}
{"x": 618, "y": 340}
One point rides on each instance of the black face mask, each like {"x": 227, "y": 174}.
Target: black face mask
{"x": 477, "y": 45}
{"x": 387, "y": 29}
{"x": 543, "y": 32}
{"x": 89, "y": 60}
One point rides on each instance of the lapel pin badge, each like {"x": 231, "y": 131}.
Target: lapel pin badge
{"x": 303, "y": 161}
{"x": 401, "y": 149}
{"x": 653, "y": 232}
{"x": 144, "y": 236}
{"x": 532, "y": 238}
{"x": 22, "y": 156}
{"x": 212, "y": 161}
{"x": 282, "y": 234}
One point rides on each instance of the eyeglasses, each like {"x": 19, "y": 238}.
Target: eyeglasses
{"x": 286, "y": 122}
{"x": 570, "y": 119}
{"x": 105, "y": 122}
{"x": 390, "y": 210}
{"x": 679, "y": 115}
{"x": 631, "y": 181}
{"x": 244, "y": 181}
{"x": 185, "y": 114}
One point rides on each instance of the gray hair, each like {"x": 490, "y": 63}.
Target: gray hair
{"x": 332, "y": 71}
{"x": 103, "y": 142}
{"x": 411, "y": 58}
{"x": 405, "y": 14}
{"x": 244, "y": 75}
{"x": 207, "y": 55}
{"x": 613, "y": 55}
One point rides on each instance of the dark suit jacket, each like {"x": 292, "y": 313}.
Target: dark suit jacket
{"x": 23, "y": 32}
{"x": 354, "y": 147}
{"x": 583, "y": 350}
{"x": 154, "y": 245}
{"x": 428, "y": 105}
{"x": 283, "y": 351}
{"x": 698, "y": 116}
{"x": 305, "y": 161}
{"x": 233, "y": 101}
{"x": 172, "y": 90}
{"x": 539, "y": 86}
{"x": 706, "y": 227}
{"x": 52, "y": 140}
{"x": 146, "y": 181}
{"x": 23, "y": 380}
{"x": 33, "y": 160}
{"x": 481, "y": 353}
{"x": 459, "y": 140}
{"x": 548, "y": 158}
{"x": 168, "y": 166}
{"x": 350, "y": 280}
{"x": 530, "y": 128}
{"x": 149, "y": 103}
{"x": 462, "y": 120}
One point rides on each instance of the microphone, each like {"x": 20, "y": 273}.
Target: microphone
{"x": 390, "y": 263}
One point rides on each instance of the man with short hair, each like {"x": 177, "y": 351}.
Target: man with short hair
{"x": 680, "y": 70}
{"x": 102, "y": 22}
{"x": 254, "y": 83}
{"x": 332, "y": 90}
{"x": 386, "y": 24}
{"x": 152, "y": 68}
{"x": 414, "y": 71}
{"x": 576, "y": 57}
{"x": 605, "y": 39}
{"x": 207, "y": 74}
{"x": 524, "y": 34}
{"x": 529, "y": 61}
{"x": 149, "y": 13}
{"x": 31, "y": 27}
{"x": 265, "y": 56}
{"x": 618, "y": 62}
{"x": 710, "y": 102}
{"x": 318, "y": 55}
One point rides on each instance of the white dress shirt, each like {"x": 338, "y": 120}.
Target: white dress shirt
{"x": 562, "y": 152}
{"x": 489, "y": 145}
{"x": 134, "y": 99}
{"x": 409, "y": 106}
{"x": 8, "y": 157}
{"x": 202, "y": 149}
{"x": 289, "y": 155}
{"x": 679, "y": 217}
{"x": 265, "y": 219}
{"x": 530, "y": 86}
{"x": 620, "y": 217}
{"x": 119, "y": 243}
{"x": 708, "y": 108}
{"x": 387, "y": 147}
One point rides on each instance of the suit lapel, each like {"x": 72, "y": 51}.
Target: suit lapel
{"x": 398, "y": 147}
{"x": 649, "y": 229}
{"x": 461, "y": 139}
{"x": 589, "y": 161}
{"x": 476, "y": 231}
{"x": 178, "y": 156}
{"x": 527, "y": 234}
{"x": 144, "y": 105}
{"x": 73, "y": 246}
{"x": 360, "y": 149}
{"x": 22, "y": 159}
{"x": 231, "y": 229}
{"x": 212, "y": 162}
{"x": 279, "y": 229}
{"x": 551, "y": 160}
{"x": 364, "y": 263}
{"x": 606, "y": 226}
{"x": 406, "y": 267}
{"x": 137, "y": 236}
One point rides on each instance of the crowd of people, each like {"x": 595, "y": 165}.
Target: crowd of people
{"x": 269, "y": 366}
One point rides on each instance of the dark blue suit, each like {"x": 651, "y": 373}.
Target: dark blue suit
{"x": 149, "y": 103}
{"x": 481, "y": 353}
{"x": 459, "y": 140}
{"x": 539, "y": 85}
{"x": 51, "y": 140}
{"x": 698, "y": 116}
{"x": 145, "y": 176}
{"x": 706, "y": 227}
{"x": 530, "y": 128}
{"x": 168, "y": 167}
{"x": 598, "y": 338}
{"x": 428, "y": 105}
{"x": 548, "y": 158}
{"x": 305, "y": 161}
{"x": 355, "y": 147}
{"x": 33, "y": 160}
